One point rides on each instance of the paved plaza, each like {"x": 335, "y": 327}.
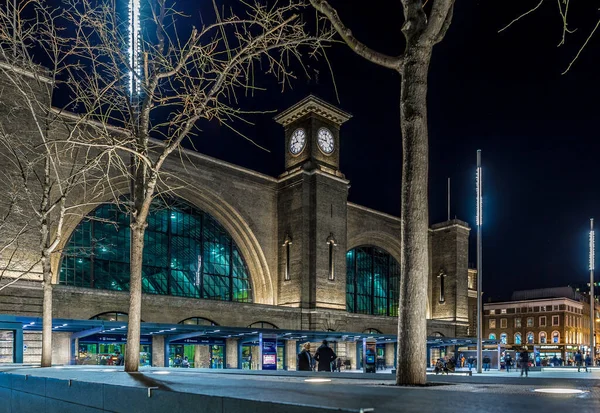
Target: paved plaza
{"x": 289, "y": 391}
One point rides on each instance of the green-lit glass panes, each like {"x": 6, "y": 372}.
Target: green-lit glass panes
{"x": 186, "y": 253}
{"x": 372, "y": 281}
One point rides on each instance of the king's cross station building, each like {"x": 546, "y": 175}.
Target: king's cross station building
{"x": 234, "y": 259}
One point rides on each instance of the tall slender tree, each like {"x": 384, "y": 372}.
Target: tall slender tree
{"x": 180, "y": 75}
{"x": 425, "y": 25}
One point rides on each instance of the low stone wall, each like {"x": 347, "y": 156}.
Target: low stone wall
{"x": 23, "y": 393}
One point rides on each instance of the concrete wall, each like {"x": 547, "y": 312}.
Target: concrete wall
{"x": 24, "y": 394}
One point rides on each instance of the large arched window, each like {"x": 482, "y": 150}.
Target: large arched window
{"x": 492, "y": 336}
{"x": 542, "y": 337}
{"x": 186, "y": 253}
{"x": 504, "y": 338}
{"x": 555, "y": 337}
{"x": 372, "y": 281}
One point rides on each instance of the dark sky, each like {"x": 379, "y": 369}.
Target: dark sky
{"x": 501, "y": 93}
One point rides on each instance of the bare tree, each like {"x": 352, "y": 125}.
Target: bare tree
{"x": 425, "y": 25}
{"x": 48, "y": 178}
{"x": 179, "y": 76}
{"x": 563, "y": 13}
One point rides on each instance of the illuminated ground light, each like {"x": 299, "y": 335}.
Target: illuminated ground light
{"x": 161, "y": 372}
{"x": 317, "y": 380}
{"x": 559, "y": 391}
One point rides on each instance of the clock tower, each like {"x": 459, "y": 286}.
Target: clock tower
{"x": 312, "y": 210}
{"x": 312, "y": 135}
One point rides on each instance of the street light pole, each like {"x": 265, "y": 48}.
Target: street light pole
{"x": 479, "y": 268}
{"x": 592, "y": 300}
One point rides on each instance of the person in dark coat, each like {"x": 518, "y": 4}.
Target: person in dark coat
{"x": 524, "y": 362}
{"x": 305, "y": 359}
{"x": 325, "y": 356}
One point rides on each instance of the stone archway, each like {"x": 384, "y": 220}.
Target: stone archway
{"x": 385, "y": 241}
{"x": 211, "y": 203}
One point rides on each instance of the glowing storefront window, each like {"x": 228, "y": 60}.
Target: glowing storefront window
{"x": 518, "y": 338}
{"x": 372, "y": 281}
{"x": 187, "y": 253}
{"x": 503, "y": 338}
{"x": 530, "y": 338}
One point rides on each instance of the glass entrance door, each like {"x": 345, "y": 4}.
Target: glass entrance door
{"x": 217, "y": 357}
{"x": 88, "y": 353}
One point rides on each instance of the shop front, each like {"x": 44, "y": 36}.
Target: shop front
{"x": 198, "y": 353}
{"x": 103, "y": 350}
{"x": 250, "y": 356}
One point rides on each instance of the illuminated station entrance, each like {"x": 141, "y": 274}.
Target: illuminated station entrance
{"x": 261, "y": 346}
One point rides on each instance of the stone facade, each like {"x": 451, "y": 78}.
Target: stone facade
{"x": 306, "y": 207}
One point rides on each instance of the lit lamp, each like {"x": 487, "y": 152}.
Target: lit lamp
{"x": 592, "y": 300}
{"x": 479, "y": 219}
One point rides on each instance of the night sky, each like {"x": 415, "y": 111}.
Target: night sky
{"x": 502, "y": 93}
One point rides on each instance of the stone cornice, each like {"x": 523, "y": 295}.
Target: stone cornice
{"x": 312, "y": 104}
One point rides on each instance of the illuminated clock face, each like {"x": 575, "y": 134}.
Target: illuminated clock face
{"x": 325, "y": 140}
{"x": 298, "y": 141}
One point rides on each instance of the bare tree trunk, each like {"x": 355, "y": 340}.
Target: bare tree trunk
{"x": 47, "y": 312}
{"x": 132, "y": 359}
{"x": 412, "y": 329}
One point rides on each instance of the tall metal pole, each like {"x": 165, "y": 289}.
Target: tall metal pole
{"x": 479, "y": 268}
{"x": 592, "y": 300}
{"x": 448, "y": 199}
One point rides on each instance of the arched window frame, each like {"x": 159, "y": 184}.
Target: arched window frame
{"x": 263, "y": 324}
{"x": 518, "y": 339}
{"x": 331, "y": 245}
{"x": 365, "y": 292}
{"x": 492, "y": 336}
{"x": 119, "y": 316}
{"x": 222, "y": 277}
{"x": 543, "y": 337}
{"x": 198, "y": 323}
{"x": 286, "y": 245}
{"x": 503, "y": 338}
{"x": 372, "y": 331}
{"x": 555, "y": 337}
{"x": 530, "y": 337}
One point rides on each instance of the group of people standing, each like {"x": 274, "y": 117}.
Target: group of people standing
{"x": 324, "y": 359}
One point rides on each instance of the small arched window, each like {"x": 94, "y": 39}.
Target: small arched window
{"x": 542, "y": 337}
{"x": 263, "y": 324}
{"x": 518, "y": 338}
{"x": 111, "y": 316}
{"x": 492, "y": 336}
{"x": 503, "y": 338}
{"x": 198, "y": 321}
{"x": 372, "y": 331}
{"x": 530, "y": 337}
{"x": 555, "y": 337}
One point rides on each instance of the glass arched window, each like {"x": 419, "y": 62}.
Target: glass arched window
{"x": 530, "y": 337}
{"x": 555, "y": 337}
{"x": 263, "y": 324}
{"x": 492, "y": 336}
{"x": 111, "y": 316}
{"x": 372, "y": 331}
{"x": 372, "y": 281}
{"x": 518, "y": 338}
{"x": 503, "y": 338}
{"x": 187, "y": 253}
{"x": 542, "y": 337}
{"x": 198, "y": 321}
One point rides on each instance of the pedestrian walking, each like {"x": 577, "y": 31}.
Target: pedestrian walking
{"x": 305, "y": 359}
{"x": 325, "y": 356}
{"x": 588, "y": 362}
{"x": 507, "y": 362}
{"x": 579, "y": 360}
{"x": 486, "y": 363}
{"x": 525, "y": 362}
